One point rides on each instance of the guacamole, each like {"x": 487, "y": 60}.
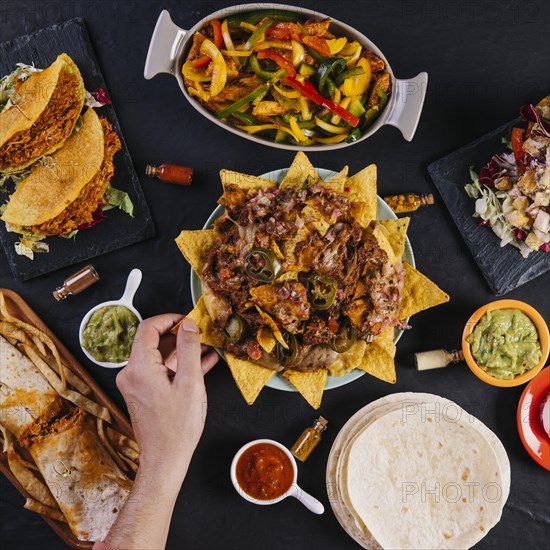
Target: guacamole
{"x": 109, "y": 334}
{"x": 505, "y": 343}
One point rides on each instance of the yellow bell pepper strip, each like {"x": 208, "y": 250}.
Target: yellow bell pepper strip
{"x": 256, "y": 35}
{"x": 332, "y": 139}
{"x": 336, "y": 44}
{"x": 296, "y": 129}
{"x": 306, "y": 70}
{"x": 330, "y": 127}
{"x": 285, "y": 92}
{"x": 344, "y": 104}
{"x": 236, "y": 53}
{"x": 279, "y": 59}
{"x": 261, "y": 127}
{"x": 262, "y": 73}
{"x": 348, "y": 74}
{"x": 354, "y": 55}
{"x": 197, "y": 91}
{"x": 307, "y": 89}
{"x": 247, "y": 27}
{"x": 219, "y": 73}
{"x": 260, "y": 91}
{"x": 271, "y": 44}
{"x": 298, "y": 53}
{"x": 218, "y": 42}
{"x": 304, "y": 109}
{"x": 358, "y": 84}
{"x": 188, "y": 71}
{"x": 227, "y": 40}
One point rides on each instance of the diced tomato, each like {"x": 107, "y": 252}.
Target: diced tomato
{"x": 279, "y": 59}
{"x": 320, "y": 45}
{"x": 333, "y": 325}
{"x": 200, "y": 62}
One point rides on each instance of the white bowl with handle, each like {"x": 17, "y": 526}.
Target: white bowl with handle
{"x": 169, "y": 46}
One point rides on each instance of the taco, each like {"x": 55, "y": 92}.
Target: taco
{"x": 62, "y": 195}
{"x": 48, "y": 105}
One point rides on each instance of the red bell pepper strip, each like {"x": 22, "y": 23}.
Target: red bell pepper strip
{"x": 217, "y": 30}
{"x": 308, "y": 90}
{"x": 516, "y": 139}
{"x": 318, "y": 44}
{"x": 284, "y": 31}
{"x": 279, "y": 59}
{"x": 218, "y": 42}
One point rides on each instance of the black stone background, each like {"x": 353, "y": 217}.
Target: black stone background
{"x": 484, "y": 60}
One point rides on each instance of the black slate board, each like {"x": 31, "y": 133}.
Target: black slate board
{"x": 504, "y": 268}
{"x": 119, "y": 229}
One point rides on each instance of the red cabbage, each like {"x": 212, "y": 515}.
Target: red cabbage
{"x": 500, "y": 165}
{"x": 545, "y": 247}
{"x": 100, "y": 95}
{"x": 519, "y": 234}
{"x": 530, "y": 114}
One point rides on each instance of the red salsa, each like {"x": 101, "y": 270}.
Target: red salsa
{"x": 264, "y": 471}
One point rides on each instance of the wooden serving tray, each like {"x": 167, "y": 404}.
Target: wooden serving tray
{"x": 19, "y": 308}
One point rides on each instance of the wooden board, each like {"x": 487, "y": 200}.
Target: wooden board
{"x": 20, "y": 309}
{"x": 118, "y": 229}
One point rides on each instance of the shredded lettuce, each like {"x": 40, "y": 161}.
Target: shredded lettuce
{"x": 8, "y": 82}
{"x": 29, "y": 245}
{"x": 118, "y": 199}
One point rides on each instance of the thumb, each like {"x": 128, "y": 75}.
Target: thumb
{"x": 188, "y": 350}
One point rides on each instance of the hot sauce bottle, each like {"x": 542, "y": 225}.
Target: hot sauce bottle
{"x": 309, "y": 439}
{"x": 170, "y": 173}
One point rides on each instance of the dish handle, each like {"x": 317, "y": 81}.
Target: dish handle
{"x": 163, "y": 48}
{"x": 408, "y": 103}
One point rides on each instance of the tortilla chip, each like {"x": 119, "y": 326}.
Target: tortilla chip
{"x": 276, "y": 250}
{"x": 288, "y": 276}
{"x": 270, "y": 322}
{"x": 378, "y": 359}
{"x": 266, "y": 339}
{"x": 396, "y": 233}
{"x": 362, "y": 194}
{"x": 209, "y": 334}
{"x": 338, "y": 181}
{"x": 379, "y": 233}
{"x": 318, "y": 222}
{"x": 310, "y": 384}
{"x": 419, "y": 293}
{"x": 289, "y": 246}
{"x": 250, "y": 184}
{"x": 194, "y": 246}
{"x": 300, "y": 172}
{"x": 348, "y": 360}
{"x": 249, "y": 377}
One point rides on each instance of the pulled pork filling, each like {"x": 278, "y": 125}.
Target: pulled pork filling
{"x": 59, "y": 419}
{"x": 319, "y": 238}
{"x": 53, "y": 125}
{"x": 81, "y": 210}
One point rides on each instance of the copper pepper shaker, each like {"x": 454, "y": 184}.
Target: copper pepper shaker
{"x": 76, "y": 283}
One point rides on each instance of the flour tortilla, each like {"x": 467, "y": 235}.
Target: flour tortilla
{"x": 397, "y": 459}
{"x": 337, "y": 464}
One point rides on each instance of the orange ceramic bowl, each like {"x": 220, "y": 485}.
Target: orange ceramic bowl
{"x": 538, "y": 321}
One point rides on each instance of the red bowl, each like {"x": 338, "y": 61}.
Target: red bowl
{"x": 532, "y": 434}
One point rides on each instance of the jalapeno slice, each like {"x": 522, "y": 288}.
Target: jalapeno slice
{"x": 234, "y": 329}
{"x": 344, "y": 338}
{"x": 262, "y": 265}
{"x": 288, "y": 357}
{"x": 321, "y": 291}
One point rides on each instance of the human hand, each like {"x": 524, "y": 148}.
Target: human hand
{"x": 167, "y": 410}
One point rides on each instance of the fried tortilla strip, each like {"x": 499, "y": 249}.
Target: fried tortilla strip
{"x": 378, "y": 359}
{"x": 249, "y": 377}
{"x": 114, "y": 455}
{"x": 266, "y": 339}
{"x": 338, "y": 181}
{"x": 194, "y": 246}
{"x": 125, "y": 445}
{"x": 249, "y": 184}
{"x": 209, "y": 334}
{"x": 310, "y": 384}
{"x": 419, "y": 293}
{"x": 36, "y": 489}
{"x": 362, "y": 194}
{"x": 39, "y": 508}
{"x": 396, "y": 233}
{"x": 301, "y": 171}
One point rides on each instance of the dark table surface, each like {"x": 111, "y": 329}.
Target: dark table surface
{"x": 484, "y": 60}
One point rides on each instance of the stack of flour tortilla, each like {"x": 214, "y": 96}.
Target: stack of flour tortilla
{"x": 415, "y": 470}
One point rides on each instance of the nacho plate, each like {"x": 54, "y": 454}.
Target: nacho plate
{"x": 383, "y": 212}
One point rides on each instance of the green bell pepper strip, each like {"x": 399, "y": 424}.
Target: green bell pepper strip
{"x": 249, "y": 120}
{"x": 259, "y": 91}
{"x": 330, "y": 87}
{"x": 253, "y": 38}
{"x": 329, "y": 69}
{"x": 348, "y": 74}
{"x": 354, "y": 135}
{"x": 262, "y": 73}
{"x": 316, "y": 55}
{"x": 256, "y": 16}
{"x": 374, "y": 112}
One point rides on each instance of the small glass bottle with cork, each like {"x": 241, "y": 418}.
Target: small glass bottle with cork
{"x": 76, "y": 283}
{"x": 309, "y": 439}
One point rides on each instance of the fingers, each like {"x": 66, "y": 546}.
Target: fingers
{"x": 149, "y": 331}
{"x": 209, "y": 360}
{"x": 188, "y": 350}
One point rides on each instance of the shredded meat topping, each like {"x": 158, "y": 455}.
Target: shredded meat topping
{"x": 52, "y": 126}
